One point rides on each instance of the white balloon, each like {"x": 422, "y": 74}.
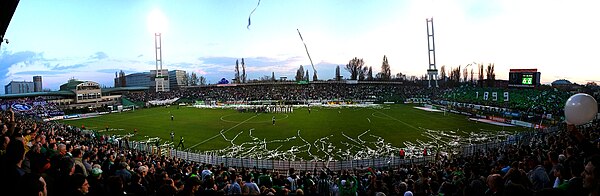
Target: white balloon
{"x": 580, "y": 108}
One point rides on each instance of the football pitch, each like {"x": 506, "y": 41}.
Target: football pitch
{"x": 324, "y": 133}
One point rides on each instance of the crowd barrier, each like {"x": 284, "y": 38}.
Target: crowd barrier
{"x": 303, "y": 165}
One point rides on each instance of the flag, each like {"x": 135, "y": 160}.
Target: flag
{"x": 249, "y": 22}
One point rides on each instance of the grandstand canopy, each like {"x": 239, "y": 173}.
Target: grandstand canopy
{"x": 7, "y": 10}
{"x": 38, "y": 94}
{"x": 124, "y": 89}
{"x": 70, "y": 85}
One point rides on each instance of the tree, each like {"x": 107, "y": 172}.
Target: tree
{"x": 370, "y": 73}
{"x": 443, "y": 73}
{"x": 472, "y": 73}
{"x": 480, "y": 70}
{"x": 591, "y": 84}
{"x": 362, "y": 73}
{"x": 466, "y": 74}
{"x": 306, "y": 76}
{"x": 386, "y": 72}
{"x": 201, "y": 80}
{"x": 264, "y": 78}
{"x": 413, "y": 78}
{"x": 315, "y": 77}
{"x": 186, "y": 79}
{"x": 338, "y": 76}
{"x": 194, "y": 79}
{"x": 491, "y": 75}
{"x": 300, "y": 73}
{"x": 454, "y": 76}
{"x": 273, "y": 76}
{"x": 243, "y": 71}
{"x": 237, "y": 72}
{"x": 400, "y": 76}
{"x": 354, "y": 66}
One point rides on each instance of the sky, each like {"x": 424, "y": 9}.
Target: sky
{"x": 92, "y": 39}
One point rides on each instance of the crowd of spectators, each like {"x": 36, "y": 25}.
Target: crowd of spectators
{"x": 526, "y": 100}
{"x": 291, "y": 92}
{"x": 55, "y": 159}
{"x": 50, "y": 158}
{"x": 32, "y": 106}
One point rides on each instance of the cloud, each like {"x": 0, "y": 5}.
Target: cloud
{"x": 8, "y": 59}
{"x": 69, "y": 67}
{"x": 99, "y": 56}
{"x": 42, "y": 73}
{"x": 55, "y": 71}
{"x": 115, "y": 70}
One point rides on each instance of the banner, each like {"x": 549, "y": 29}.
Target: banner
{"x": 21, "y": 107}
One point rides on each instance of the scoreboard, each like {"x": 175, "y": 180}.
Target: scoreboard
{"x": 527, "y": 78}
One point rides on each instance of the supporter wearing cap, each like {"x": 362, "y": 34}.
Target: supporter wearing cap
{"x": 96, "y": 182}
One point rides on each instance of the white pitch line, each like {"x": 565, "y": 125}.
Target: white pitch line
{"x": 213, "y": 137}
{"x": 398, "y": 120}
{"x": 369, "y": 120}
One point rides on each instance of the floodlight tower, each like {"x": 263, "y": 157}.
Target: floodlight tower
{"x": 159, "y": 78}
{"x": 432, "y": 71}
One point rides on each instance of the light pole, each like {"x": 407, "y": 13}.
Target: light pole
{"x": 157, "y": 24}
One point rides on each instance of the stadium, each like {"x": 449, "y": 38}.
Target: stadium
{"x": 165, "y": 132}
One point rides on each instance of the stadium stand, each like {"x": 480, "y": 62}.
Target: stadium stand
{"x": 39, "y": 157}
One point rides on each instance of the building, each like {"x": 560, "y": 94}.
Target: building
{"x": 19, "y": 87}
{"x": 37, "y": 84}
{"x": 177, "y": 79}
{"x": 85, "y": 91}
{"x": 138, "y": 80}
{"x": 565, "y": 85}
{"x": 120, "y": 80}
{"x": 561, "y": 82}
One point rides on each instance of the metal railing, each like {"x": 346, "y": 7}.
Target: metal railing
{"x": 281, "y": 165}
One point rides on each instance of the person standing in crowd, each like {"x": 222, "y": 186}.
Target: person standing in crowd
{"x": 265, "y": 179}
{"x": 79, "y": 185}
{"x": 402, "y": 153}
{"x": 207, "y": 171}
{"x": 591, "y": 175}
{"x": 180, "y": 143}
{"x": 172, "y": 135}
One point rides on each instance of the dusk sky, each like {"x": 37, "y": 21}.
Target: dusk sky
{"x": 92, "y": 39}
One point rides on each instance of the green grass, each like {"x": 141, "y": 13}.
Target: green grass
{"x": 396, "y": 124}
